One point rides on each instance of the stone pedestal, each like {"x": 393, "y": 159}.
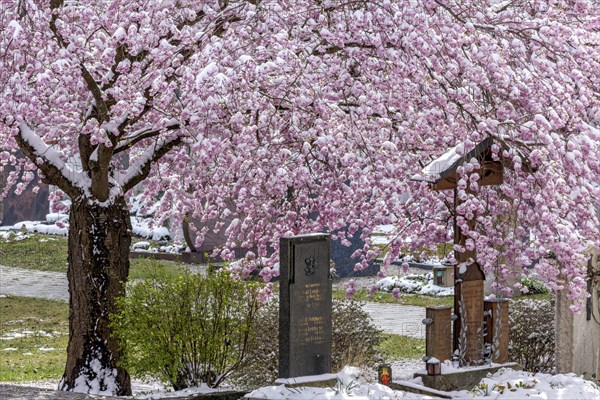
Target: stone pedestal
{"x": 461, "y": 379}
{"x": 498, "y": 331}
{"x": 438, "y": 334}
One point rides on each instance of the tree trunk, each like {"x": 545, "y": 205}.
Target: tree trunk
{"x": 99, "y": 240}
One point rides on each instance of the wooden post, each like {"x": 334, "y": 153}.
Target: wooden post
{"x": 468, "y": 299}
{"x": 437, "y": 332}
{"x": 498, "y": 330}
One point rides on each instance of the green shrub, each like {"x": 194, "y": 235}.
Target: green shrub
{"x": 534, "y": 286}
{"x": 532, "y": 334}
{"x": 355, "y": 338}
{"x": 186, "y": 330}
{"x": 354, "y": 342}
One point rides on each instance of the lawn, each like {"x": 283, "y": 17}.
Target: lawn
{"x": 41, "y": 252}
{"x": 407, "y": 299}
{"x": 49, "y": 253}
{"x": 420, "y": 300}
{"x": 396, "y": 347}
{"x": 33, "y": 339}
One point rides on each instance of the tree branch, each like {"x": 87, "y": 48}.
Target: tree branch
{"x": 140, "y": 170}
{"x": 55, "y": 170}
{"x": 141, "y": 135}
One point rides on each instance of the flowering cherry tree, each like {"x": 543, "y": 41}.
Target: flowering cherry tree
{"x": 297, "y": 116}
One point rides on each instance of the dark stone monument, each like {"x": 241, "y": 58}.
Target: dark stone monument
{"x": 304, "y": 306}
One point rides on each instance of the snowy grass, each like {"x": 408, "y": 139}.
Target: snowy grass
{"x": 33, "y": 339}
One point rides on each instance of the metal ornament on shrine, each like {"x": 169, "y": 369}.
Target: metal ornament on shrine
{"x": 442, "y": 174}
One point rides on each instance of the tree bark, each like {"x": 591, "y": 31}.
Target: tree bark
{"x": 99, "y": 240}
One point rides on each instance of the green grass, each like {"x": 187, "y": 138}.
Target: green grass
{"x": 145, "y": 268}
{"x": 420, "y": 300}
{"x": 544, "y": 296}
{"x": 40, "y": 352}
{"x": 407, "y": 299}
{"x": 49, "y": 253}
{"x": 396, "y": 347}
{"x": 41, "y": 252}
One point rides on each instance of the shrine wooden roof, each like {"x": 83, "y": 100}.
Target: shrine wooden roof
{"x": 441, "y": 173}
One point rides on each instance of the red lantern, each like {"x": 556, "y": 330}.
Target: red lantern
{"x": 434, "y": 367}
{"x": 384, "y": 373}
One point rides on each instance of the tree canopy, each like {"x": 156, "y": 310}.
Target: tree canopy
{"x": 308, "y": 115}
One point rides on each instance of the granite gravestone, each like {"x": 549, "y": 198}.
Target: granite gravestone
{"x": 304, "y": 306}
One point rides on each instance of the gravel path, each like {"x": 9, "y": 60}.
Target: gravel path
{"x": 398, "y": 319}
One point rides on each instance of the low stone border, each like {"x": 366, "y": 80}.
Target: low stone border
{"x": 18, "y": 392}
{"x": 461, "y": 379}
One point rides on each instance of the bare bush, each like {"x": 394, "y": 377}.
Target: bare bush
{"x": 532, "y": 334}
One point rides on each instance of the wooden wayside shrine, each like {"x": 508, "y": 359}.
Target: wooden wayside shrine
{"x": 442, "y": 174}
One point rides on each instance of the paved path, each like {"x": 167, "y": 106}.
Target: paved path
{"x": 398, "y": 319}
{"x": 33, "y": 283}
{"x": 391, "y": 318}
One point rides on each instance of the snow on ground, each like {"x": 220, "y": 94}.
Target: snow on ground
{"x": 414, "y": 284}
{"x": 56, "y": 228}
{"x": 517, "y": 385}
{"x": 147, "y": 247}
{"x": 185, "y": 393}
{"x": 347, "y": 387}
{"x": 57, "y": 224}
{"x": 53, "y": 217}
{"x": 142, "y": 227}
{"x": 505, "y": 384}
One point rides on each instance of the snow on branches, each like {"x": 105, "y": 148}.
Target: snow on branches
{"x": 302, "y": 116}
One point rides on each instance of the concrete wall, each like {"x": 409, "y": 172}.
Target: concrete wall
{"x": 577, "y": 338}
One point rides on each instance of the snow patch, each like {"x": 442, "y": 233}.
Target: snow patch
{"x": 142, "y": 227}
{"x": 432, "y": 171}
{"x": 414, "y": 284}
{"x": 348, "y": 386}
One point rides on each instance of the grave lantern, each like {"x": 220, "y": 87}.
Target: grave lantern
{"x": 443, "y": 275}
{"x": 384, "y": 374}
{"x": 434, "y": 367}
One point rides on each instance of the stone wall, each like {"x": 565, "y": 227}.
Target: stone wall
{"x": 578, "y": 336}
{"x": 2, "y": 180}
